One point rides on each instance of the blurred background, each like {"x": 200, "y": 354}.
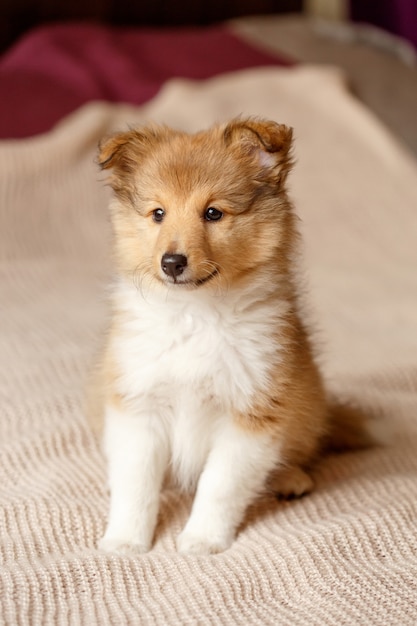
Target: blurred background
{"x": 60, "y": 54}
{"x": 396, "y": 16}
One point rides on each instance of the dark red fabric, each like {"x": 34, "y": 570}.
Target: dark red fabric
{"x": 396, "y": 16}
{"x": 53, "y": 70}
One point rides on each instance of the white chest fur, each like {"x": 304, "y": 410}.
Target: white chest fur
{"x": 220, "y": 347}
{"x": 187, "y": 359}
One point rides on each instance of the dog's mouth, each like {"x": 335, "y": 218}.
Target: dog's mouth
{"x": 191, "y": 283}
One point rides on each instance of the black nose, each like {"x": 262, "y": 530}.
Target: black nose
{"x": 173, "y": 264}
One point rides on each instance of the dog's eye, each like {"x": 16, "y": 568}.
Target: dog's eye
{"x": 158, "y": 215}
{"x": 212, "y": 214}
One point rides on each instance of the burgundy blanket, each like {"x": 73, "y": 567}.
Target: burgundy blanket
{"x": 55, "y": 69}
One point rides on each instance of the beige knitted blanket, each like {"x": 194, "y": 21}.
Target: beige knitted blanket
{"x": 346, "y": 554}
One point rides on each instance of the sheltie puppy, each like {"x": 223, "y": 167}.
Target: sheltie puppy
{"x": 208, "y": 374}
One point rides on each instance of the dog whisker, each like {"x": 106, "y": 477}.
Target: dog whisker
{"x": 140, "y": 276}
{"x": 211, "y": 267}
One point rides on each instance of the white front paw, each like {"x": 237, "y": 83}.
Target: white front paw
{"x": 122, "y": 546}
{"x": 189, "y": 543}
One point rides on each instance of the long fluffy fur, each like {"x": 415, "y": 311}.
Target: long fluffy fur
{"x": 207, "y": 375}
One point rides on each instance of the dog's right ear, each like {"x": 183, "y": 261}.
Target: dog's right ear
{"x": 118, "y": 154}
{"x": 123, "y": 151}
{"x": 111, "y": 150}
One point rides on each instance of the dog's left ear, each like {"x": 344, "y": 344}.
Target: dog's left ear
{"x": 267, "y": 142}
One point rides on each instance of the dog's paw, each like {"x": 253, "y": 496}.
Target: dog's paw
{"x": 188, "y": 543}
{"x": 121, "y": 546}
{"x": 291, "y": 483}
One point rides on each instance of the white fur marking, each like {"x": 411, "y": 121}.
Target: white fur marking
{"x": 224, "y": 345}
{"x": 235, "y": 473}
{"x": 188, "y": 361}
{"x": 137, "y": 452}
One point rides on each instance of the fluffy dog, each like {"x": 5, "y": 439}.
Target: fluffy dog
{"x": 208, "y": 374}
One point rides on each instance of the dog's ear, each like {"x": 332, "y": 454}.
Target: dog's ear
{"x": 111, "y": 150}
{"x": 123, "y": 151}
{"x": 117, "y": 153}
{"x": 267, "y": 142}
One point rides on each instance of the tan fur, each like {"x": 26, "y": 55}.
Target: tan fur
{"x": 241, "y": 168}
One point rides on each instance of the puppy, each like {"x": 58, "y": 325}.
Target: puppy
{"x": 208, "y": 374}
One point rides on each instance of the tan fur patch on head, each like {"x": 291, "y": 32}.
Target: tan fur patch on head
{"x": 238, "y": 170}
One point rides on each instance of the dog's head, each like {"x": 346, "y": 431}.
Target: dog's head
{"x": 199, "y": 210}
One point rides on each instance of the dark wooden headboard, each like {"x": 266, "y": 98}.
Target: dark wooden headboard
{"x": 16, "y": 16}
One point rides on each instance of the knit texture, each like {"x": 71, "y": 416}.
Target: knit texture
{"x": 344, "y": 555}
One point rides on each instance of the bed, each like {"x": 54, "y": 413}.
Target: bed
{"x": 347, "y": 553}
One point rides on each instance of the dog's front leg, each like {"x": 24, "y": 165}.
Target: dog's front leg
{"x": 137, "y": 455}
{"x": 235, "y": 473}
